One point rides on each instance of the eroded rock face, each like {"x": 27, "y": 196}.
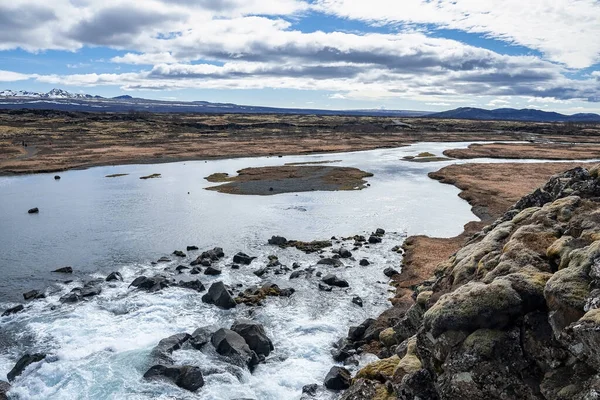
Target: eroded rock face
{"x": 514, "y": 314}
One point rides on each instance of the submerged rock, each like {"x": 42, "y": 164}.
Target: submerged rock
{"x": 13, "y": 310}
{"x": 33, "y": 210}
{"x": 23, "y": 363}
{"x": 114, "y": 276}
{"x": 179, "y": 253}
{"x": 337, "y": 378}
{"x": 64, "y": 270}
{"x": 219, "y": 296}
{"x": 186, "y": 377}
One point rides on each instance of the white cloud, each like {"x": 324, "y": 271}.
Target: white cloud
{"x": 9, "y": 76}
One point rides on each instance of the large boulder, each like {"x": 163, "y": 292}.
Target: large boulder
{"x": 163, "y": 350}
{"x": 242, "y": 258}
{"x": 233, "y": 346}
{"x": 219, "y": 296}
{"x": 254, "y": 334}
{"x": 202, "y": 336}
{"x": 338, "y": 378}
{"x": 192, "y": 285}
{"x": 186, "y": 377}
{"x": 152, "y": 284}
{"x": 278, "y": 241}
{"x": 23, "y": 363}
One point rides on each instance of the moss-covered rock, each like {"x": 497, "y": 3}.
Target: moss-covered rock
{"x": 381, "y": 370}
{"x": 474, "y": 306}
{"x": 387, "y": 337}
{"x": 583, "y": 338}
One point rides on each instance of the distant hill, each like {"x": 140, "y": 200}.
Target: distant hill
{"x": 59, "y": 99}
{"x": 511, "y": 114}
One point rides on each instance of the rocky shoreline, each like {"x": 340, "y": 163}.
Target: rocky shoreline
{"x": 513, "y": 314}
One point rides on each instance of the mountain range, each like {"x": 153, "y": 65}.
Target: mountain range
{"x": 59, "y": 99}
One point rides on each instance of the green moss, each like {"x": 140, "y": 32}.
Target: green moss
{"x": 425, "y": 154}
{"x": 218, "y": 177}
{"x": 380, "y": 370}
{"x": 482, "y": 342}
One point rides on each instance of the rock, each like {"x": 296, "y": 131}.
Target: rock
{"x": 357, "y": 300}
{"x": 90, "y": 290}
{"x": 233, "y": 346}
{"x": 186, "y": 377}
{"x": 210, "y": 270}
{"x": 343, "y": 350}
{"x": 380, "y": 370}
{"x": 179, "y": 253}
{"x": 364, "y": 390}
{"x": 164, "y": 260}
{"x": 324, "y": 288}
{"x": 310, "y": 390}
{"x": 330, "y": 261}
{"x": 379, "y": 232}
{"x": 23, "y": 363}
{"x": 235, "y": 266}
{"x": 242, "y": 258}
{"x": 64, "y": 270}
{"x": 374, "y": 239}
{"x": 196, "y": 271}
{"x": 191, "y": 248}
{"x": 364, "y": 262}
{"x": 70, "y": 298}
{"x": 201, "y": 336}
{"x": 333, "y": 280}
{"x": 387, "y": 337}
{"x": 219, "y": 296}
{"x": 56, "y": 177}
{"x": 297, "y": 274}
{"x": 163, "y": 350}
{"x": 153, "y": 284}
{"x": 278, "y": 241}
{"x": 13, "y": 310}
{"x": 255, "y": 336}
{"x": 344, "y": 253}
{"x": 114, "y": 276}
{"x": 4, "y": 389}
{"x": 390, "y": 272}
{"x": 356, "y": 333}
{"x": 33, "y": 210}
{"x": 193, "y": 285}
{"x": 337, "y": 378}
{"x": 32, "y": 294}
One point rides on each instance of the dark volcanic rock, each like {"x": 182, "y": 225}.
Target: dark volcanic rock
{"x": 153, "y": 284}
{"x": 13, "y": 310}
{"x": 33, "y": 210}
{"x": 242, "y": 258}
{"x": 210, "y": 270}
{"x": 114, "y": 276}
{"x": 338, "y": 378}
{"x": 374, "y": 239}
{"x": 364, "y": 262}
{"x": 56, "y": 177}
{"x": 23, "y": 363}
{"x": 390, "y": 272}
{"x": 164, "y": 260}
{"x": 344, "y": 253}
{"x": 179, "y": 253}
{"x": 192, "y": 248}
{"x": 310, "y": 390}
{"x": 202, "y": 336}
{"x": 196, "y": 270}
{"x": 379, "y": 232}
{"x": 32, "y": 294}
{"x": 357, "y": 300}
{"x": 193, "y": 285}
{"x": 278, "y": 241}
{"x": 330, "y": 261}
{"x": 180, "y": 268}
{"x": 333, "y": 280}
{"x": 324, "y": 288}
{"x": 255, "y": 336}
{"x": 4, "y": 388}
{"x": 70, "y": 298}
{"x": 233, "y": 346}
{"x": 163, "y": 350}
{"x": 186, "y": 377}
{"x": 64, "y": 270}
{"x": 219, "y": 296}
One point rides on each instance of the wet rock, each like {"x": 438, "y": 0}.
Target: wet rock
{"x": 390, "y": 272}
{"x": 201, "y": 336}
{"x": 90, "y": 290}
{"x": 163, "y": 350}
{"x": 114, "y": 276}
{"x": 196, "y": 270}
{"x": 56, "y": 177}
{"x": 297, "y": 274}
{"x": 164, "y": 260}
{"x": 193, "y": 285}
{"x": 210, "y": 270}
{"x": 186, "y": 377}
{"x": 342, "y": 350}
{"x": 333, "y": 280}
{"x": 219, "y": 296}
{"x": 179, "y": 253}
{"x": 374, "y": 239}
{"x": 23, "y": 363}
{"x": 324, "y": 288}
{"x": 33, "y": 210}
{"x": 337, "y": 378}
{"x": 192, "y": 248}
{"x": 261, "y": 272}
{"x": 363, "y": 390}
{"x": 310, "y": 390}
{"x": 344, "y": 253}
{"x": 153, "y": 284}
{"x": 255, "y": 336}
{"x": 379, "y": 232}
{"x": 33, "y": 294}
{"x": 64, "y": 270}
{"x": 233, "y": 346}
{"x": 242, "y": 258}
{"x": 356, "y": 333}
{"x": 364, "y": 262}
{"x": 334, "y": 262}
{"x": 278, "y": 241}
{"x": 181, "y": 268}
{"x": 4, "y": 389}
{"x": 235, "y": 266}
{"x": 13, "y": 310}
{"x": 357, "y": 300}
{"x": 70, "y": 298}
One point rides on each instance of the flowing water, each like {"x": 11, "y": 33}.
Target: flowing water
{"x": 99, "y": 349}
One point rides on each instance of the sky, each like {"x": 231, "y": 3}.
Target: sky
{"x": 331, "y": 54}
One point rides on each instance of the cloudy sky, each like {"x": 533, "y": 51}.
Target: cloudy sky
{"x": 337, "y": 54}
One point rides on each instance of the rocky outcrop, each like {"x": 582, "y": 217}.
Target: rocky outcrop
{"x": 514, "y": 314}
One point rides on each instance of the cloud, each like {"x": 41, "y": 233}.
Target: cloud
{"x": 565, "y": 31}
{"x": 9, "y": 76}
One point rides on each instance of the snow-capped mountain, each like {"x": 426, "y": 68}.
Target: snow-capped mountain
{"x": 53, "y": 94}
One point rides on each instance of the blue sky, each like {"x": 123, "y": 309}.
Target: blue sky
{"x": 335, "y": 54}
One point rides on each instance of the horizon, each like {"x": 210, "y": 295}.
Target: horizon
{"x": 311, "y": 54}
